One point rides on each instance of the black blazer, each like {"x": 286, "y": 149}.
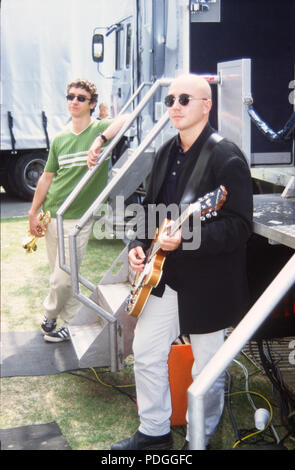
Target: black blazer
{"x": 211, "y": 281}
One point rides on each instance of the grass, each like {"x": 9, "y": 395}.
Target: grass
{"x": 90, "y": 408}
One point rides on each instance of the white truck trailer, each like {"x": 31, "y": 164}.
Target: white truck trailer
{"x": 44, "y": 45}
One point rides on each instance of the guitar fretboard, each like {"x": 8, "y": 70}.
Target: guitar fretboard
{"x": 210, "y": 202}
{"x": 172, "y": 229}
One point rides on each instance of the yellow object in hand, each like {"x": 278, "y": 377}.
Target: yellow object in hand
{"x": 29, "y": 243}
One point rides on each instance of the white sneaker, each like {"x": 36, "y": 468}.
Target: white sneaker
{"x": 56, "y": 336}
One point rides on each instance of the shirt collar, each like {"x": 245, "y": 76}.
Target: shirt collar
{"x": 199, "y": 142}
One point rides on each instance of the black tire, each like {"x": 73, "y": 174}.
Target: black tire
{"x": 25, "y": 174}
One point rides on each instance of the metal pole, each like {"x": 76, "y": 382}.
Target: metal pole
{"x": 126, "y": 106}
{"x": 75, "y": 282}
{"x": 113, "y": 346}
{"x": 231, "y": 347}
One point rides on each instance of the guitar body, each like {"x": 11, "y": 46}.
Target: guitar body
{"x": 145, "y": 282}
{"x": 139, "y": 299}
{"x": 205, "y": 207}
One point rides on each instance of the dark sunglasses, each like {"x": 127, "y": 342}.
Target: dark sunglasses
{"x": 80, "y": 98}
{"x": 183, "y": 99}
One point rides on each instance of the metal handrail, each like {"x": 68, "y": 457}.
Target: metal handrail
{"x": 135, "y": 94}
{"x": 100, "y": 200}
{"x": 163, "y": 82}
{"x": 73, "y": 195}
{"x": 74, "y": 267}
{"x": 231, "y": 347}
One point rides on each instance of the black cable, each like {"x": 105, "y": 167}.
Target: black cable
{"x": 286, "y": 401}
{"x": 283, "y": 135}
{"x": 114, "y": 387}
{"x": 284, "y": 395}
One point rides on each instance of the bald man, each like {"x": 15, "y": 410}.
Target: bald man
{"x": 203, "y": 290}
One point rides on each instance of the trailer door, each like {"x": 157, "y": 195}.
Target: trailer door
{"x": 264, "y": 32}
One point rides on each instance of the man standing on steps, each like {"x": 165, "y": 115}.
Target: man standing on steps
{"x": 68, "y": 160}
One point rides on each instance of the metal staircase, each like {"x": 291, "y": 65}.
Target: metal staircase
{"x": 102, "y": 332}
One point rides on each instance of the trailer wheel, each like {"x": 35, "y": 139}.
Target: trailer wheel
{"x": 26, "y": 174}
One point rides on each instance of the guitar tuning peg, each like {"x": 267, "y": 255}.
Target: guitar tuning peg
{"x": 208, "y": 215}
{"x": 214, "y": 213}
{"x": 202, "y": 218}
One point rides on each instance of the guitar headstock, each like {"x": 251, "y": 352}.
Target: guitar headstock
{"x": 211, "y": 203}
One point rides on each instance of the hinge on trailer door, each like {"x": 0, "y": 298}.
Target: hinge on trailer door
{"x": 10, "y": 126}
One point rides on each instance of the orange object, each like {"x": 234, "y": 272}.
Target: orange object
{"x": 180, "y": 363}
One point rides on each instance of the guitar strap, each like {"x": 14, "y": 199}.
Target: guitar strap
{"x": 199, "y": 169}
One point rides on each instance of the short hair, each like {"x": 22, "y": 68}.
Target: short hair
{"x": 86, "y": 85}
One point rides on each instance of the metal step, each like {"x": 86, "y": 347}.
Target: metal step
{"x": 94, "y": 341}
{"x": 113, "y": 217}
{"x": 138, "y": 172}
{"x": 90, "y": 333}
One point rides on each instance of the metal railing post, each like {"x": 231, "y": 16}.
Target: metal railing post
{"x": 132, "y": 98}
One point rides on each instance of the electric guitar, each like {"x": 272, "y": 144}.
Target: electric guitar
{"x": 205, "y": 207}
{"x": 29, "y": 243}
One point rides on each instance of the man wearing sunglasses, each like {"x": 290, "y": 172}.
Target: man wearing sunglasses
{"x": 69, "y": 158}
{"x": 202, "y": 291}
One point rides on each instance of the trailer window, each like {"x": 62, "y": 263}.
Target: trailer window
{"x": 128, "y": 45}
{"x": 119, "y": 48}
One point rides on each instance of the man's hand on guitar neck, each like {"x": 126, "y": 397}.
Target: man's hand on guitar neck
{"x": 169, "y": 242}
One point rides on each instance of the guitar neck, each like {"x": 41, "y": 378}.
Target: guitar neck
{"x": 171, "y": 231}
{"x": 211, "y": 202}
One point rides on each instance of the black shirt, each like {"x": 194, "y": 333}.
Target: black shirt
{"x": 176, "y": 160}
{"x": 180, "y": 166}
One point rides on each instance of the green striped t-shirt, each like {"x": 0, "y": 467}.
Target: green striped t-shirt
{"x": 68, "y": 159}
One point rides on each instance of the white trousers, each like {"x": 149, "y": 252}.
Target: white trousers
{"x": 60, "y": 300}
{"x": 156, "y": 329}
